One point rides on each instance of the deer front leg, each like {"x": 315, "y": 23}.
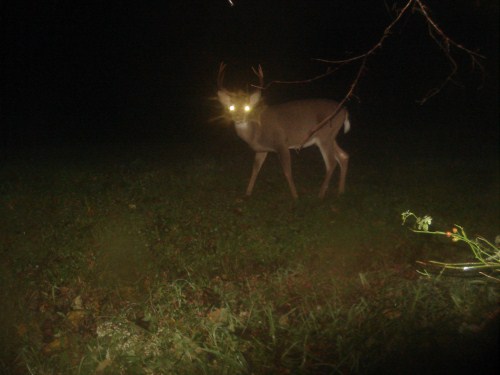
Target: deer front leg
{"x": 287, "y": 170}
{"x": 260, "y": 157}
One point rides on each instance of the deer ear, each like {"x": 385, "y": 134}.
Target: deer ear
{"x": 224, "y": 98}
{"x": 254, "y": 98}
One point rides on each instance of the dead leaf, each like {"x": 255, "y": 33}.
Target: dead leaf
{"x": 283, "y": 320}
{"x": 218, "y": 315}
{"x": 103, "y": 364}
{"x": 392, "y": 313}
{"x": 77, "y": 303}
{"x": 22, "y": 329}
{"x": 55, "y": 346}
{"x": 76, "y": 317}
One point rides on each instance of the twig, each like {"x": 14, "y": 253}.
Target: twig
{"x": 378, "y": 45}
{"x": 339, "y": 106}
{"x": 340, "y": 63}
{"x": 328, "y": 72}
{"x": 445, "y": 45}
{"x": 363, "y": 57}
{"x": 444, "y": 42}
{"x": 490, "y": 277}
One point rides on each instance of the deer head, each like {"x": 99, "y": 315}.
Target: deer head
{"x": 239, "y": 105}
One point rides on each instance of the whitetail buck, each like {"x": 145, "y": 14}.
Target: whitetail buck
{"x": 279, "y": 128}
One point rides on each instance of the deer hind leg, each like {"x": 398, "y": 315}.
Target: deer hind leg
{"x": 260, "y": 158}
{"x": 328, "y": 152}
{"x": 343, "y": 159}
{"x": 287, "y": 170}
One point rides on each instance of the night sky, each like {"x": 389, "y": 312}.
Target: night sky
{"x": 110, "y": 71}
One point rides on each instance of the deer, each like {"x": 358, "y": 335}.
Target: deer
{"x": 284, "y": 127}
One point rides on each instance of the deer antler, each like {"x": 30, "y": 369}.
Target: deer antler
{"x": 220, "y": 77}
{"x": 260, "y": 74}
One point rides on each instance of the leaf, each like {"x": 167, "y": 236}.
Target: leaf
{"x": 77, "y": 303}
{"x": 283, "y": 320}
{"x": 76, "y": 317}
{"x": 22, "y": 329}
{"x": 103, "y": 365}
{"x": 57, "y": 345}
{"x": 218, "y": 315}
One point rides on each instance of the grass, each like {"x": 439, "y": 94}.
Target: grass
{"x": 152, "y": 263}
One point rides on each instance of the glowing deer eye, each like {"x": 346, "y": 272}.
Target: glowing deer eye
{"x": 247, "y": 108}
{"x": 232, "y": 108}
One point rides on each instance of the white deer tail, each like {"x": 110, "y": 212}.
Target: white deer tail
{"x": 347, "y": 123}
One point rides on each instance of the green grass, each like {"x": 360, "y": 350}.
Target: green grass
{"x": 153, "y": 263}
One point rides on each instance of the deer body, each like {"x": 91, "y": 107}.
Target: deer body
{"x": 282, "y": 127}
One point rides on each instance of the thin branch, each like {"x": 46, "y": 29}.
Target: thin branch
{"x": 340, "y": 105}
{"x": 445, "y": 43}
{"x": 490, "y": 277}
{"x": 329, "y": 71}
{"x": 378, "y": 45}
{"x": 435, "y": 26}
{"x": 340, "y": 63}
{"x": 436, "y": 33}
{"x": 363, "y": 58}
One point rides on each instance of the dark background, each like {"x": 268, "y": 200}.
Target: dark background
{"x": 111, "y": 72}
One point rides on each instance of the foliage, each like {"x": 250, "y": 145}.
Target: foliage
{"x": 487, "y": 255}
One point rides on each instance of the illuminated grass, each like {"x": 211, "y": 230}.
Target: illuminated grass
{"x": 141, "y": 266}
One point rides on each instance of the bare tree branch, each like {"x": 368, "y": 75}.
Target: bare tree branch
{"x": 340, "y": 105}
{"x": 340, "y": 63}
{"x": 329, "y": 71}
{"x": 445, "y": 43}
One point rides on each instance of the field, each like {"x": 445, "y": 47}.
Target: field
{"x": 146, "y": 259}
